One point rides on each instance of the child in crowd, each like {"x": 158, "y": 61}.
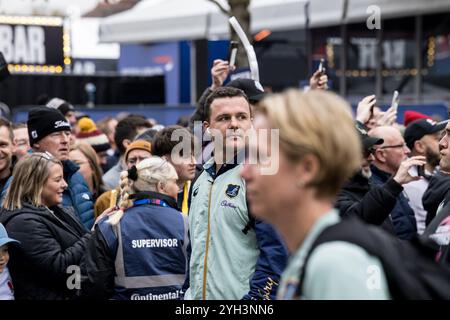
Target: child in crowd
{"x": 6, "y": 287}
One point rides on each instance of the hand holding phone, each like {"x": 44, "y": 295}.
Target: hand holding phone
{"x": 321, "y": 68}
{"x": 421, "y": 172}
{"x": 395, "y": 100}
{"x": 319, "y": 79}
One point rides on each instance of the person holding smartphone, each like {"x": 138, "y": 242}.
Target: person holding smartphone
{"x": 319, "y": 79}
{"x": 422, "y": 138}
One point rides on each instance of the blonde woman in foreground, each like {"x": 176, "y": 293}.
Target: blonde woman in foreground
{"x": 318, "y": 150}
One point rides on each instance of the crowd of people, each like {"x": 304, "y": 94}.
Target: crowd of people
{"x": 139, "y": 211}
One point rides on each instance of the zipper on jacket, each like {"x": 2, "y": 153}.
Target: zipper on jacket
{"x": 205, "y": 264}
{"x": 65, "y": 225}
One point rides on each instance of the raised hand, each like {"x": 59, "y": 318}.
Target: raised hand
{"x": 219, "y": 73}
{"x": 402, "y": 175}
{"x": 318, "y": 80}
{"x": 364, "y": 109}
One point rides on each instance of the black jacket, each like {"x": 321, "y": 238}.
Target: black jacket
{"x": 50, "y": 243}
{"x": 436, "y": 193}
{"x": 439, "y": 238}
{"x": 402, "y": 216}
{"x": 371, "y": 203}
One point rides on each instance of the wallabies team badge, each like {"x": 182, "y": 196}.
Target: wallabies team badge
{"x": 232, "y": 190}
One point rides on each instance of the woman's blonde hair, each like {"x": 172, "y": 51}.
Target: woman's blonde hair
{"x": 90, "y": 154}
{"x": 29, "y": 177}
{"x": 319, "y": 123}
{"x": 149, "y": 172}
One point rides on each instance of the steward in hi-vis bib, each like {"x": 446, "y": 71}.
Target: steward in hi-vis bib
{"x": 144, "y": 256}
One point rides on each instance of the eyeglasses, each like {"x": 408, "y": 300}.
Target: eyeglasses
{"x": 44, "y": 155}
{"x": 403, "y": 145}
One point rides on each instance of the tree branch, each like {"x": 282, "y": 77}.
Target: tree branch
{"x": 225, "y": 11}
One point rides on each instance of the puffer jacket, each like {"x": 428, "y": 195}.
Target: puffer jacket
{"x": 402, "y": 215}
{"x": 77, "y": 194}
{"x": 52, "y": 240}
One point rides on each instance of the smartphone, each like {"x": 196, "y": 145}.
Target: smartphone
{"x": 371, "y": 110}
{"x": 321, "y": 68}
{"x": 395, "y": 100}
{"x": 421, "y": 172}
{"x": 232, "y": 53}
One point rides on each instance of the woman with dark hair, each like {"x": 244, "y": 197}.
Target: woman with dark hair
{"x": 84, "y": 155}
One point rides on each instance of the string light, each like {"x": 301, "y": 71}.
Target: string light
{"x": 67, "y": 47}
{"x": 41, "y": 21}
{"x": 330, "y": 55}
{"x": 25, "y": 20}
{"x": 431, "y": 51}
{"x": 385, "y": 73}
{"x": 29, "y": 68}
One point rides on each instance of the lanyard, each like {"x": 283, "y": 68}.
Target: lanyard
{"x": 158, "y": 202}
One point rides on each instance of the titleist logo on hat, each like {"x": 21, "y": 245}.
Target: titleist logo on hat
{"x": 59, "y": 124}
{"x": 43, "y": 121}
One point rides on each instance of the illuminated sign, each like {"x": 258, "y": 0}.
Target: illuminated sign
{"x": 34, "y": 44}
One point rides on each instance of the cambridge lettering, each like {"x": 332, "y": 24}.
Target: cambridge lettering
{"x": 154, "y": 243}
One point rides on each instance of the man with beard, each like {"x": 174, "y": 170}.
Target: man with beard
{"x": 422, "y": 138}
{"x": 361, "y": 198}
{"x": 438, "y": 228}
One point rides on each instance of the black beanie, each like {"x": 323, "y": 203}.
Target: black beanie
{"x": 42, "y": 121}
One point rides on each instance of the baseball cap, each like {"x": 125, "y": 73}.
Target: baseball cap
{"x": 419, "y": 128}
{"x": 4, "y": 239}
{"x": 366, "y": 140}
{"x": 252, "y": 88}
{"x": 411, "y": 116}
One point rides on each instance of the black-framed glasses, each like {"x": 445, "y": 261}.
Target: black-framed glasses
{"x": 403, "y": 145}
